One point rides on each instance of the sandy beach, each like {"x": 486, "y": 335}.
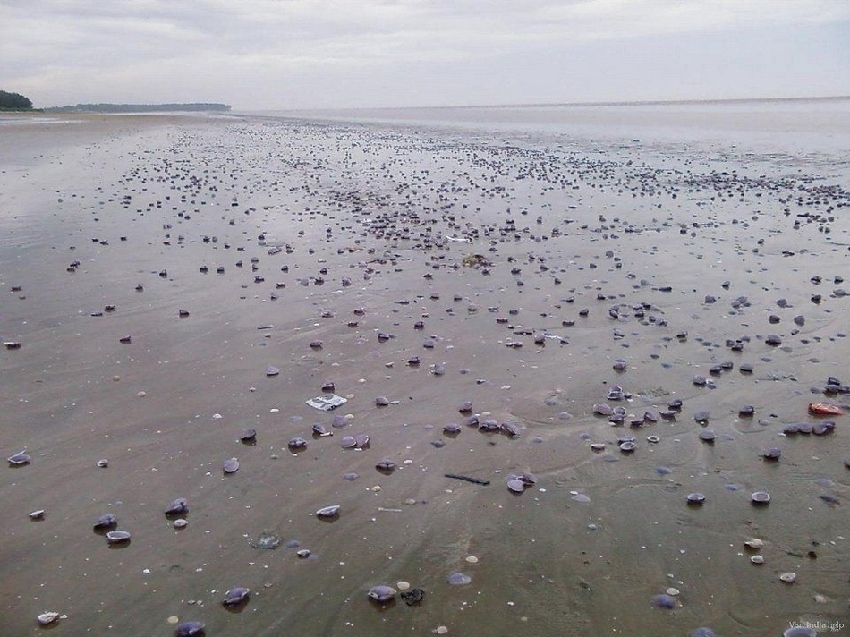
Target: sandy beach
{"x": 634, "y": 317}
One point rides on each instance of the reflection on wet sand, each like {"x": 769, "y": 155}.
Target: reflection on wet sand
{"x": 534, "y": 381}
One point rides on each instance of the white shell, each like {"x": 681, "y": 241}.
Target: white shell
{"x": 329, "y": 511}
{"x": 48, "y": 617}
{"x": 117, "y": 537}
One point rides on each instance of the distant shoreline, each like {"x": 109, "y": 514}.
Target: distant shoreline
{"x": 685, "y": 102}
{"x": 735, "y": 100}
{"x": 140, "y": 108}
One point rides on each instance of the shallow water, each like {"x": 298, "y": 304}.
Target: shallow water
{"x": 167, "y": 409}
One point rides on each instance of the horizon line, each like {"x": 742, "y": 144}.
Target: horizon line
{"x": 657, "y": 102}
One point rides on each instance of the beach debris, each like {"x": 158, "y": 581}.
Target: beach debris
{"x": 515, "y": 485}
{"x": 178, "y": 506}
{"x": 458, "y": 579}
{"x": 267, "y": 540}
{"x": 708, "y": 436}
{"x": 248, "y": 436}
{"x": 627, "y": 445}
{"x": 18, "y": 459}
{"x": 320, "y": 431}
{"x": 231, "y": 465}
{"x": 788, "y": 578}
{"x": 412, "y": 597}
{"x": 760, "y": 498}
{"x": 297, "y": 443}
{"x": 105, "y": 522}
{"x": 773, "y": 454}
{"x": 328, "y": 512}
{"x": 457, "y": 476}
{"x": 825, "y": 409}
{"x": 189, "y": 629}
{"x": 37, "y": 515}
{"x": 510, "y": 429}
{"x": 695, "y": 499}
{"x": 475, "y": 260}
{"x": 664, "y": 601}
{"x": 603, "y": 409}
{"x": 797, "y": 428}
{"x": 360, "y": 441}
{"x": 272, "y": 371}
{"x": 823, "y": 428}
{"x": 831, "y": 500}
{"x": 382, "y": 594}
{"x": 236, "y": 596}
{"x": 465, "y": 407}
{"x": 489, "y": 425}
{"x": 385, "y": 466}
{"x": 526, "y": 477}
{"x": 118, "y": 537}
{"x": 327, "y": 403}
{"x": 48, "y": 617}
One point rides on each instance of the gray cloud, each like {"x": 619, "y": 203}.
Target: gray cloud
{"x": 336, "y": 53}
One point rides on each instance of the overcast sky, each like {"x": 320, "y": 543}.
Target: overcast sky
{"x": 282, "y": 54}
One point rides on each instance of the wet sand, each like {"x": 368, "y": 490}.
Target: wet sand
{"x": 464, "y": 248}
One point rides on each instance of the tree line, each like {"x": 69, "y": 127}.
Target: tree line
{"x": 14, "y": 101}
{"x": 17, "y": 102}
{"x": 138, "y": 108}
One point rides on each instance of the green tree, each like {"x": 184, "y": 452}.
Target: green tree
{"x": 14, "y": 101}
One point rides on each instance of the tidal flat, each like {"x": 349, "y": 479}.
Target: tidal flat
{"x": 608, "y": 331}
